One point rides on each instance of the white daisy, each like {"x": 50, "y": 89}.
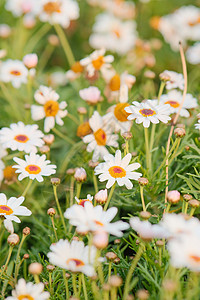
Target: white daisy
{"x": 92, "y": 95}
{"x": 51, "y": 110}
{"x": 34, "y": 166}
{"x": 75, "y": 71}
{"x": 100, "y": 138}
{"x": 89, "y": 218}
{"x": 73, "y": 256}
{"x": 12, "y": 208}
{"x": 59, "y": 12}
{"x": 21, "y": 137}
{"x": 96, "y": 61}
{"x": 197, "y": 125}
{"x": 176, "y": 80}
{"x": 13, "y": 71}
{"x": 193, "y": 54}
{"x": 121, "y": 9}
{"x": 117, "y": 169}
{"x": 28, "y": 291}
{"x": 21, "y": 7}
{"x": 174, "y": 99}
{"x": 82, "y": 201}
{"x": 147, "y": 112}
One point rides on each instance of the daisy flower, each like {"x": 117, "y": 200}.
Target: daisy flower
{"x": 75, "y": 71}
{"x": 94, "y": 218}
{"x": 28, "y": 291}
{"x": 92, "y": 95}
{"x": 176, "y": 80}
{"x": 13, "y": 71}
{"x": 34, "y": 166}
{"x": 51, "y": 110}
{"x": 82, "y": 201}
{"x": 147, "y": 112}
{"x": 174, "y": 99}
{"x": 21, "y": 137}
{"x": 117, "y": 169}
{"x": 121, "y": 9}
{"x": 12, "y": 208}
{"x": 193, "y": 54}
{"x": 59, "y": 12}
{"x": 21, "y": 7}
{"x": 73, "y": 256}
{"x": 96, "y": 61}
{"x": 100, "y": 138}
{"x": 197, "y": 125}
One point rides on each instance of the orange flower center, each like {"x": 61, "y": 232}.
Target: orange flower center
{"x": 117, "y": 172}
{"x": 52, "y": 7}
{"x": 78, "y": 262}
{"x": 114, "y": 83}
{"x": 146, "y": 112}
{"x": 51, "y": 108}
{"x": 195, "y": 258}
{"x": 120, "y": 112}
{"x": 196, "y": 22}
{"x": 155, "y": 22}
{"x": 172, "y": 103}
{"x": 4, "y": 209}
{"x": 15, "y": 72}
{"x": 100, "y": 137}
{"x": 83, "y": 129}
{"x": 98, "y": 223}
{"x": 76, "y": 67}
{"x": 25, "y": 297}
{"x": 117, "y": 33}
{"x": 33, "y": 169}
{"x": 82, "y": 202}
{"x": 21, "y": 138}
{"x": 97, "y": 63}
{"x": 8, "y": 173}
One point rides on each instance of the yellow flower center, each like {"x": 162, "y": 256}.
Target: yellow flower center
{"x": 117, "y": 172}
{"x": 4, "y": 209}
{"x": 83, "y": 129}
{"x": 98, "y": 223}
{"x": 52, "y": 7}
{"x": 21, "y": 138}
{"x": 173, "y": 103}
{"x": 25, "y": 297}
{"x": 117, "y": 33}
{"x": 8, "y": 173}
{"x": 76, "y": 67}
{"x": 33, "y": 169}
{"x": 78, "y": 262}
{"x": 120, "y": 112}
{"x": 146, "y": 112}
{"x": 15, "y": 72}
{"x": 114, "y": 83}
{"x": 97, "y": 63}
{"x": 196, "y": 22}
{"x": 155, "y": 22}
{"x": 100, "y": 137}
{"x": 51, "y": 108}
{"x": 195, "y": 258}
{"x": 82, "y": 202}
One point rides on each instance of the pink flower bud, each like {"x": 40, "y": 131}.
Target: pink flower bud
{"x": 100, "y": 239}
{"x": 101, "y": 197}
{"x": 173, "y": 197}
{"x": 91, "y": 95}
{"x": 80, "y": 175}
{"x": 30, "y": 60}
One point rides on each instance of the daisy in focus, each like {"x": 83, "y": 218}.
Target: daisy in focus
{"x": 34, "y": 166}
{"x": 13, "y": 71}
{"x": 97, "y": 61}
{"x": 21, "y": 137}
{"x": 10, "y": 209}
{"x": 28, "y": 291}
{"x": 50, "y": 109}
{"x": 147, "y": 112}
{"x": 93, "y": 218}
{"x": 74, "y": 256}
{"x": 100, "y": 138}
{"x": 117, "y": 169}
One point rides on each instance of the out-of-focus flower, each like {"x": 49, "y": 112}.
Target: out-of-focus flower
{"x": 51, "y": 110}
{"x": 193, "y": 54}
{"x": 21, "y": 7}
{"x": 92, "y": 95}
{"x": 57, "y": 78}
{"x": 3, "y": 53}
{"x": 117, "y": 169}
{"x": 5, "y": 31}
{"x": 121, "y": 9}
{"x": 176, "y": 80}
{"x": 82, "y": 201}
{"x": 30, "y": 60}
{"x": 75, "y": 71}
{"x": 100, "y": 138}
{"x": 74, "y": 256}
{"x": 147, "y": 113}
{"x": 197, "y": 125}
{"x": 83, "y": 129}
{"x": 13, "y": 71}
{"x": 21, "y": 137}
{"x": 28, "y": 291}
{"x": 34, "y": 166}
{"x": 113, "y": 34}
{"x": 12, "y": 208}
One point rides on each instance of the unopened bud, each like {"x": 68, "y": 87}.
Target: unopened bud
{"x": 55, "y": 181}
{"x": 164, "y": 76}
{"x": 53, "y": 40}
{"x": 160, "y": 243}
{"x": 92, "y": 164}
{"x": 51, "y": 212}
{"x": 49, "y": 139}
{"x": 173, "y": 197}
{"x": 26, "y": 231}
{"x": 101, "y": 197}
{"x": 115, "y": 281}
{"x": 44, "y": 149}
{"x": 26, "y": 256}
{"x": 130, "y": 297}
{"x": 100, "y": 239}
{"x": 127, "y": 135}
{"x": 106, "y": 287}
{"x": 111, "y": 255}
{"x": 13, "y": 239}
{"x": 142, "y": 294}
{"x": 117, "y": 241}
{"x": 194, "y": 203}
{"x": 149, "y": 74}
{"x": 116, "y": 260}
{"x": 75, "y": 238}
{"x": 143, "y": 181}
{"x": 134, "y": 153}
{"x": 169, "y": 285}
{"x": 82, "y": 110}
{"x": 70, "y": 171}
{"x": 187, "y": 197}
{"x": 145, "y": 215}
{"x": 5, "y": 31}
{"x": 80, "y": 175}
{"x": 180, "y": 126}
{"x": 30, "y": 60}
{"x": 50, "y": 268}
{"x": 67, "y": 275}
{"x": 179, "y": 132}
{"x": 35, "y": 268}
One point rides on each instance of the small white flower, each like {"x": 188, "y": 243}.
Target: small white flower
{"x": 73, "y": 256}
{"x": 28, "y": 291}
{"x": 148, "y": 112}
{"x": 21, "y": 137}
{"x": 193, "y": 54}
{"x": 82, "y": 201}
{"x": 100, "y": 138}
{"x": 12, "y": 208}
{"x": 96, "y": 61}
{"x": 176, "y": 80}
{"x": 89, "y": 218}
{"x": 117, "y": 169}
{"x": 51, "y": 110}
{"x": 34, "y": 166}
{"x": 92, "y": 95}
{"x": 13, "y": 71}
{"x": 197, "y": 125}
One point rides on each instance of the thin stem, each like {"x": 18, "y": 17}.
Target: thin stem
{"x": 62, "y": 136}
{"x": 74, "y": 285}
{"x": 72, "y": 190}
{"x": 37, "y": 37}
{"x": 73, "y": 119}
{"x": 65, "y": 44}
{"x": 84, "y": 287}
{"x": 95, "y": 183}
{"x": 36, "y": 278}
{"x": 148, "y": 158}
{"x": 54, "y": 228}
{"x": 160, "y": 256}
{"x": 113, "y": 293}
{"x": 109, "y": 269}
{"x": 27, "y": 188}
{"x": 110, "y": 196}
{"x": 168, "y": 207}
{"x": 66, "y": 285}
{"x": 186, "y": 208}
{"x": 17, "y": 263}
{"x": 8, "y": 259}
{"x": 142, "y": 197}
{"x": 192, "y": 211}
{"x": 58, "y": 206}
{"x": 78, "y": 189}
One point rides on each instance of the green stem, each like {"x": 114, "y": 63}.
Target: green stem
{"x": 186, "y": 207}
{"x": 142, "y": 197}
{"x": 95, "y": 183}
{"x": 148, "y": 156}
{"x": 84, "y": 287}
{"x": 74, "y": 285}
{"x": 17, "y": 263}
{"x": 73, "y": 119}
{"x": 58, "y": 206}
{"x": 109, "y": 269}
{"x": 66, "y": 285}
{"x": 192, "y": 211}
{"x": 168, "y": 207}
{"x": 37, "y": 37}
{"x": 27, "y": 188}
{"x": 54, "y": 228}
{"x": 78, "y": 189}
{"x": 110, "y": 196}
{"x": 62, "y": 136}
{"x": 7, "y": 261}
{"x": 72, "y": 191}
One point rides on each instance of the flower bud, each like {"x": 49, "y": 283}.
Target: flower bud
{"x": 82, "y": 110}
{"x": 143, "y": 181}
{"x": 100, "y": 239}
{"x": 92, "y": 164}
{"x": 13, "y": 239}
{"x": 50, "y": 268}
{"x": 67, "y": 275}
{"x": 164, "y": 76}
{"x": 116, "y": 260}
{"x": 130, "y": 297}
{"x": 134, "y": 153}
{"x": 149, "y": 74}
{"x": 51, "y": 212}
{"x": 142, "y": 294}
{"x": 145, "y": 215}
{"x": 101, "y": 197}
{"x": 29, "y": 21}
{"x": 179, "y": 132}
{"x": 44, "y": 149}
{"x": 115, "y": 281}
{"x": 169, "y": 285}
{"x": 35, "y": 268}
{"x": 70, "y": 171}
{"x": 194, "y": 203}
{"x": 187, "y": 197}
{"x": 117, "y": 241}
{"x": 5, "y": 31}
{"x": 111, "y": 255}
{"x": 106, "y": 287}
{"x": 173, "y": 197}
{"x": 26, "y": 231}
{"x": 3, "y": 53}
{"x": 26, "y": 256}
{"x": 160, "y": 243}
{"x": 75, "y": 238}
{"x": 187, "y": 148}
{"x": 127, "y": 135}
{"x": 55, "y": 181}
{"x": 49, "y": 139}
{"x": 180, "y": 126}
{"x": 53, "y": 40}
{"x": 80, "y": 175}
{"x": 30, "y": 60}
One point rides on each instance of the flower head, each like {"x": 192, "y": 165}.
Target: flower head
{"x": 13, "y": 71}
{"x": 82, "y": 201}
{"x": 176, "y": 80}
{"x": 92, "y": 95}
